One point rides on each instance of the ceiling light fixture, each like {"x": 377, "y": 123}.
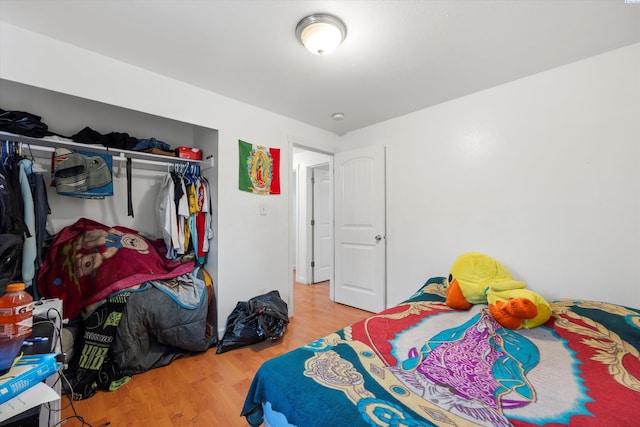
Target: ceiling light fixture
{"x": 321, "y": 33}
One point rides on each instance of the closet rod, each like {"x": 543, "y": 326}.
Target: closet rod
{"x": 170, "y": 160}
{"x": 121, "y": 158}
{"x": 49, "y": 145}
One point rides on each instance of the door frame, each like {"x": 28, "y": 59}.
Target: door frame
{"x": 293, "y": 210}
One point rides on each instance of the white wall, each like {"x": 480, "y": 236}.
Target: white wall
{"x": 541, "y": 173}
{"x": 252, "y": 249}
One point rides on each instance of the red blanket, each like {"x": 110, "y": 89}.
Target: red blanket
{"x": 88, "y": 261}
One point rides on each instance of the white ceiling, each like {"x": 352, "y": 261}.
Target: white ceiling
{"x": 399, "y": 56}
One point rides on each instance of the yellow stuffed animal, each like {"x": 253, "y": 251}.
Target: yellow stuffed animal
{"x": 476, "y": 278}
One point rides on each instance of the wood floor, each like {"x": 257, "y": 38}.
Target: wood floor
{"x": 209, "y": 389}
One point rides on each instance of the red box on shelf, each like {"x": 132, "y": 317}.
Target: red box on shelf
{"x": 190, "y": 153}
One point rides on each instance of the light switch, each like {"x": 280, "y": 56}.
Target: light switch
{"x": 263, "y": 209}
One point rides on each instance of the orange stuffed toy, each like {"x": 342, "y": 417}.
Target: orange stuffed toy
{"x": 476, "y": 278}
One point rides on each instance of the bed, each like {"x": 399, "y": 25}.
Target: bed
{"x": 422, "y": 363}
{"x": 130, "y": 307}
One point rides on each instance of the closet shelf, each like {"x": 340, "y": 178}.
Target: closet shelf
{"x": 50, "y": 144}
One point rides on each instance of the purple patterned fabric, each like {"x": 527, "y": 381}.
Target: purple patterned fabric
{"x": 466, "y": 365}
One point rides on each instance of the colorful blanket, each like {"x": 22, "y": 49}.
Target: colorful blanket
{"x": 89, "y": 261}
{"x": 422, "y": 363}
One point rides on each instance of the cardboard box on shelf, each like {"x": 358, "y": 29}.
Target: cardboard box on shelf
{"x": 190, "y": 153}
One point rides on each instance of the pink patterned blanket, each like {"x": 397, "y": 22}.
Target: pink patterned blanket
{"x": 88, "y": 261}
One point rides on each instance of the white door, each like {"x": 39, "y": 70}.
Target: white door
{"x": 360, "y": 244}
{"x": 321, "y": 264}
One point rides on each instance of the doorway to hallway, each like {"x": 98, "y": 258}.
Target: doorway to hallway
{"x": 312, "y": 213}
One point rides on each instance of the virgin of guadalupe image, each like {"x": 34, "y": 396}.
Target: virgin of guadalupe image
{"x": 260, "y": 170}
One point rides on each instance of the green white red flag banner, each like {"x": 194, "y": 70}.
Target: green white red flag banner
{"x": 259, "y": 168}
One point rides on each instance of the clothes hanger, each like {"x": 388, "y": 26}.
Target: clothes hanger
{"x": 35, "y": 166}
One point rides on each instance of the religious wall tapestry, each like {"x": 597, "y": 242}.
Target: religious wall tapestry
{"x": 259, "y": 168}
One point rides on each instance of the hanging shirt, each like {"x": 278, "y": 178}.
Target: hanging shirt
{"x": 183, "y": 216}
{"x": 166, "y": 216}
{"x": 30, "y": 250}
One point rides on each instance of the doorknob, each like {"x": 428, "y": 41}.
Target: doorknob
{"x": 378, "y": 238}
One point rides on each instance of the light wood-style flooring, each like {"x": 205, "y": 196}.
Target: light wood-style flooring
{"x": 208, "y": 389}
